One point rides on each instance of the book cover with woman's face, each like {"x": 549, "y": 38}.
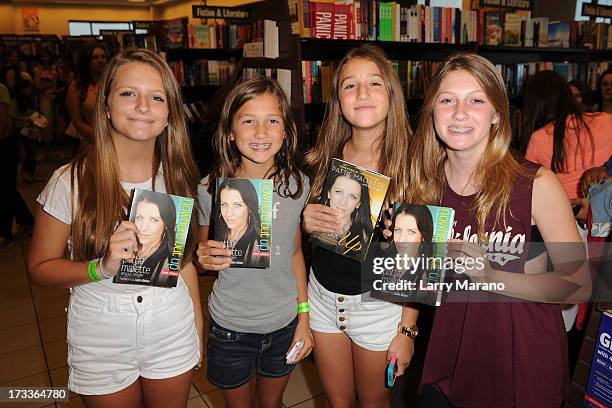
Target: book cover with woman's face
{"x": 358, "y": 195}
{"x": 163, "y": 225}
{"x": 242, "y": 218}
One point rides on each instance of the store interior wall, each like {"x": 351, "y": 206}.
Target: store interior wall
{"x": 54, "y": 17}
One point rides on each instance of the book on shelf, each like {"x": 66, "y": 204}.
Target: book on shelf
{"x": 493, "y": 28}
{"x": 397, "y": 21}
{"x": 202, "y": 72}
{"x": 282, "y": 76}
{"x": 414, "y": 262}
{"x": 358, "y": 194}
{"x": 559, "y": 34}
{"x": 270, "y": 39}
{"x": 253, "y": 50}
{"x": 512, "y": 29}
{"x": 242, "y": 220}
{"x": 174, "y": 33}
{"x": 163, "y": 226}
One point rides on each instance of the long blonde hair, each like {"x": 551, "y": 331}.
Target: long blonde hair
{"x": 427, "y": 154}
{"x": 336, "y": 131}
{"x": 102, "y": 202}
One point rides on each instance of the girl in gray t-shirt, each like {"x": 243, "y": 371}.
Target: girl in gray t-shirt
{"x": 253, "y": 310}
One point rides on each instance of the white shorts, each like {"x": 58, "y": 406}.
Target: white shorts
{"x": 369, "y": 323}
{"x": 115, "y": 338}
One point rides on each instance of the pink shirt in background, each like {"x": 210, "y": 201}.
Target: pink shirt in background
{"x": 578, "y": 156}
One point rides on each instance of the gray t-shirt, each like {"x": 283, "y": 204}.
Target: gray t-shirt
{"x": 252, "y": 300}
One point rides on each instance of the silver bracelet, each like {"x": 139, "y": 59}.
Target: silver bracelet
{"x": 102, "y": 270}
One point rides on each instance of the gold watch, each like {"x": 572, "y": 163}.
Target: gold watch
{"x": 411, "y": 332}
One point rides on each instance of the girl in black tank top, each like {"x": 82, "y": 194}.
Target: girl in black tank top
{"x": 365, "y": 124}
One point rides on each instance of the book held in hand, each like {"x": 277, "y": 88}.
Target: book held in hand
{"x": 242, "y": 220}
{"x": 418, "y": 250}
{"x": 163, "y": 224}
{"x": 358, "y": 194}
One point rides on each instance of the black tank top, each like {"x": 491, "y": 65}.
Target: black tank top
{"x": 343, "y": 275}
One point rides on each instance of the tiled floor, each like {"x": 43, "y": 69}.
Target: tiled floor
{"x": 33, "y": 335}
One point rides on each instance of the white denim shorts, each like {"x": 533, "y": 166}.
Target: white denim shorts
{"x": 115, "y": 338}
{"x": 369, "y": 323}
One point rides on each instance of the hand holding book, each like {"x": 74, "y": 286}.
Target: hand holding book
{"x": 213, "y": 255}
{"x": 122, "y": 245}
{"x": 320, "y": 218}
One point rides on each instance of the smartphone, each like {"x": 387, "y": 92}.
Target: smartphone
{"x": 391, "y": 371}
{"x": 295, "y": 351}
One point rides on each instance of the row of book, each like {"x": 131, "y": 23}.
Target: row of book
{"x": 392, "y": 21}
{"x": 203, "y": 72}
{"x": 416, "y": 75}
{"x": 220, "y": 34}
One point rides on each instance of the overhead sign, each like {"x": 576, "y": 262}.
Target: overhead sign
{"x": 229, "y": 13}
{"x": 596, "y": 10}
{"x": 510, "y": 4}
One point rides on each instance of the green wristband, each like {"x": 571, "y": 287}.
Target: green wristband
{"x": 91, "y": 271}
{"x": 303, "y": 307}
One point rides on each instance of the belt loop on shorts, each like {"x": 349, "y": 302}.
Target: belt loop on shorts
{"x": 113, "y": 303}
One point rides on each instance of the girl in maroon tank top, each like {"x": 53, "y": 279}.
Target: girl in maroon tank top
{"x": 505, "y": 349}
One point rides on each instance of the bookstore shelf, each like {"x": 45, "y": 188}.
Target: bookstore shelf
{"x": 331, "y": 50}
{"x": 190, "y": 54}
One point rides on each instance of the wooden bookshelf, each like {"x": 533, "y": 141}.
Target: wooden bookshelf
{"x": 293, "y": 50}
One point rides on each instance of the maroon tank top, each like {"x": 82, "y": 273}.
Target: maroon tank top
{"x": 503, "y": 353}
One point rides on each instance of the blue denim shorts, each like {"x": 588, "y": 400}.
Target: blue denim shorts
{"x": 233, "y": 357}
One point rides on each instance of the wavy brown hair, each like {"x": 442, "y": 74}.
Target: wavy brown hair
{"x": 101, "y": 200}
{"x": 497, "y": 169}
{"x": 229, "y": 158}
{"x": 336, "y": 131}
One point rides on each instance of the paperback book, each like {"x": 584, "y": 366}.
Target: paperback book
{"x": 242, "y": 220}
{"x": 359, "y": 194}
{"x": 418, "y": 248}
{"x": 163, "y": 224}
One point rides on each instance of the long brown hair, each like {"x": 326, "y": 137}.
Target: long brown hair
{"x": 101, "y": 201}
{"x": 336, "y": 131}
{"x": 229, "y": 158}
{"x": 427, "y": 154}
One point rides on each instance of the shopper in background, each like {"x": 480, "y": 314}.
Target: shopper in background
{"x": 45, "y": 79}
{"x": 559, "y": 135}
{"x": 583, "y": 95}
{"x": 12, "y": 205}
{"x": 604, "y": 89}
{"x": 10, "y": 73}
{"x": 26, "y": 128}
{"x": 81, "y": 95}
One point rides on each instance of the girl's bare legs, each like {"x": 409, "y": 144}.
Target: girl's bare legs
{"x": 334, "y": 361}
{"x": 169, "y": 392}
{"x": 369, "y": 372}
{"x": 130, "y": 397}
